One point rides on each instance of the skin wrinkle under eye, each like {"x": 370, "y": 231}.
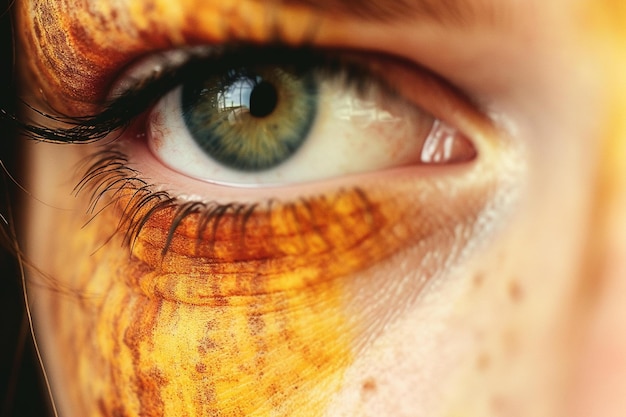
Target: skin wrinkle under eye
{"x": 178, "y": 327}
{"x": 310, "y": 234}
{"x": 173, "y": 284}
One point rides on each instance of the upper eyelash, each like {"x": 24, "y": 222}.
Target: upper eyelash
{"x": 129, "y": 104}
{"x": 108, "y": 175}
{"x": 116, "y": 115}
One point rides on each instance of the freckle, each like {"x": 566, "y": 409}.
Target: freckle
{"x": 207, "y": 344}
{"x": 119, "y": 412}
{"x": 483, "y": 361}
{"x": 220, "y": 301}
{"x": 504, "y": 406}
{"x": 369, "y": 386}
{"x": 499, "y": 404}
{"x": 102, "y": 407}
{"x": 207, "y": 396}
{"x": 516, "y": 293}
{"x": 200, "y": 368}
{"x": 256, "y": 324}
{"x": 149, "y": 7}
{"x": 479, "y": 278}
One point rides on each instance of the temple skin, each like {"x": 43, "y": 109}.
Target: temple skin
{"x": 489, "y": 289}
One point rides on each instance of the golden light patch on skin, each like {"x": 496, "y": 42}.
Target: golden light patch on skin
{"x": 141, "y": 354}
{"x": 294, "y": 246}
{"x": 604, "y": 31}
{"x": 248, "y": 327}
{"x": 283, "y": 247}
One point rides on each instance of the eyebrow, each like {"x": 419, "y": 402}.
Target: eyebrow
{"x": 445, "y": 12}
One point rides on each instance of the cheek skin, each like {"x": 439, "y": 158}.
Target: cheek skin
{"x": 264, "y": 327}
{"x": 126, "y": 351}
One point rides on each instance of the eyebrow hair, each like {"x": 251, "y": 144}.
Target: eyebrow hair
{"x": 445, "y": 12}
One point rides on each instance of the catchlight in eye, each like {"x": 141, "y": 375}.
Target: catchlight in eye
{"x": 250, "y": 119}
{"x": 271, "y": 118}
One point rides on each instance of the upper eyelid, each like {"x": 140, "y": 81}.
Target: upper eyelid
{"x": 149, "y": 80}
{"x": 141, "y": 84}
{"x": 94, "y": 54}
{"x": 125, "y": 103}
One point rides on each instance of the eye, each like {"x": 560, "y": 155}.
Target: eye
{"x": 288, "y": 116}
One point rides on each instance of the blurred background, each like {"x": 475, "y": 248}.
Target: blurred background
{"x": 21, "y": 391}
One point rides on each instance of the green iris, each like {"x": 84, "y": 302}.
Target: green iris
{"x": 251, "y": 119}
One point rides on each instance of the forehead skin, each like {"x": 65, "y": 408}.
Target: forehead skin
{"x": 73, "y": 52}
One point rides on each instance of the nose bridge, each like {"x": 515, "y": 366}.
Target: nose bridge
{"x": 600, "y": 383}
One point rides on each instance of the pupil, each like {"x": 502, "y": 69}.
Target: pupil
{"x": 263, "y": 99}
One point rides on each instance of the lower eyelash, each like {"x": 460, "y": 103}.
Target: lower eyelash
{"x": 107, "y": 177}
{"x": 112, "y": 183}
{"x": 110, "y": 180}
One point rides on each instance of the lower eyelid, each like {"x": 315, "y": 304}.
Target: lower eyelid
{"x": 290, "y": 247}
{"x": 295, "y": 238}
{"x": 196, "y": 242}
